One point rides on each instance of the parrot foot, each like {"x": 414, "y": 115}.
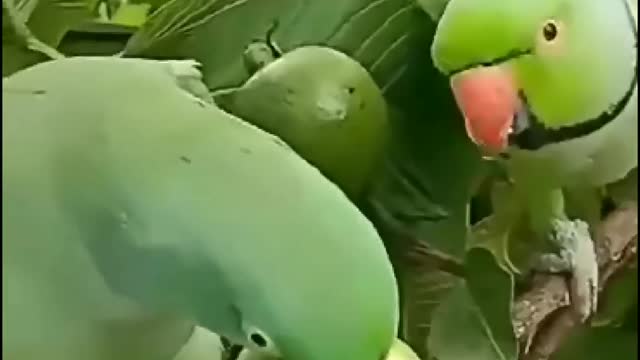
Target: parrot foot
{"x": 576, "y": 255}
{"x": 189, "y": 77}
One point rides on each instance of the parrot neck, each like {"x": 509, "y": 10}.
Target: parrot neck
{"x": 534, "y": 135}
{"x": 530, "y": 133}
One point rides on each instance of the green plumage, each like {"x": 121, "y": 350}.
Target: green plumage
{"x": 128, "y": 203}
{"x": 325, "y": 105}
{"x": 579, "y": 90}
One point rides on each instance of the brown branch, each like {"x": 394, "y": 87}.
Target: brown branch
{"x": 541, "y": 316}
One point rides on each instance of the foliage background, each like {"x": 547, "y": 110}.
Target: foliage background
{"x": 457, "y": 302}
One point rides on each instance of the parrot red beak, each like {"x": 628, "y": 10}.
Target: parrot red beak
{"x": 488, "y": 99}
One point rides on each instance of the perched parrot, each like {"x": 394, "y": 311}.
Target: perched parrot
{"x": 325, "y": 105}
{"x": 133, "y": 209}
{"x": 548, "y": 87}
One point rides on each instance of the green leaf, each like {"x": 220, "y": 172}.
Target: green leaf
{"x": 423, "y": 190}
{"x": 600, "y": 343}
{"x": 492, "y": 290}
{"x": 20, "y": 48}
{"x": 215, "y": 32}
{"x": 131, "y": 14}
{"x": 153, "y": 4}
{"x": 625, "y": 189}
{"x": 430, "y": 154}
{"x": 51, "y": 19}
{"x": 391, "y": 39}
{"x": 434, "y": 8}
{"x": 474, "y": 321}
{"x": 32, "y": 29}
{"x": 619, "y": 296}
{"x": 422, "y": 291}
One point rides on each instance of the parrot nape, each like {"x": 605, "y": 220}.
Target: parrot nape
{"x": 133, "y": 209}
{"x": 549, "y": 88}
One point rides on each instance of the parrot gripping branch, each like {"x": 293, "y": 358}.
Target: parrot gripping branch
{"x": 542, "y": 317}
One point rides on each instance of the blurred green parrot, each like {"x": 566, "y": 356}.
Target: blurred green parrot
{"x": 322, "y": 103}
{"x": 549, "y": 89}
{"x": 399, "y": 351}
{"x": 134, "y": 209}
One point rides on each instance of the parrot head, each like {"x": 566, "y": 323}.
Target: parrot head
{"x": 325, "y": 292}
{"x": 319, "y": 321}
{"x": 525, "y": 72}
{"x": 399, "y": 351}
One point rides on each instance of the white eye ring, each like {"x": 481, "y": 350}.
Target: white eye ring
{"x": 551, "y": 38}
{"x": 260, "y": 342}
{"x": 550, "y": 30}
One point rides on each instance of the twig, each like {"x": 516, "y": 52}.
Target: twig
{"x": 541, "y": 316}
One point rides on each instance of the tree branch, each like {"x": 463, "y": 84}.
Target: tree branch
{"x": 541, "y": 316}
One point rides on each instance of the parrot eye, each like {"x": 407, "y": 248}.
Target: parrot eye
{"x": 550, "y": 39}
{"x": 258, "y": 339}
{"x": 261, "y": 342}
{"x": 550, "y": 30}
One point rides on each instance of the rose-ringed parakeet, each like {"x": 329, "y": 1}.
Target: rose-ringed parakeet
{"x": 549, "y": 87}
{"x": 133, "y": 209}
{"x": 322, "y": 103}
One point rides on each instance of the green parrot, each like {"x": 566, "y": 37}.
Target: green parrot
{"x": 202, "y": 345}
{"x": 134, "y": 210}
{"x": 399, "y": 351}
{"x": 324, "y": 104}
{"x": 549, "y": 89}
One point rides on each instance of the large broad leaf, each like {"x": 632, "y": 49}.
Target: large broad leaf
{"x": 152, "y": 5}
{"x": 16, "y": 53}
{"x": 32, "y": 29}
{"x": 620, "y": 295}
{"x": 216, "y": 31}
{"x": 430, "y": 161}
{"x": 600, "y": 343}
{"x": 422, "y": 194}
{"x": 51, "y": 19}
{"x": 474, "y": 323}
{"x": 390, "y": 38}
{"x": 434, "y": 8}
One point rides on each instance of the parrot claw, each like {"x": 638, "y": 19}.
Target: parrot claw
{"x": 577, "y": 256}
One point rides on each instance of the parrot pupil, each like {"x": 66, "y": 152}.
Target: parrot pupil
{"x": 258, "y": 340}
{"x": 550, "y": 31}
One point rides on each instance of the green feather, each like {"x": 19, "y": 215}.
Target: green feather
{"x": 128, "y": 190}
